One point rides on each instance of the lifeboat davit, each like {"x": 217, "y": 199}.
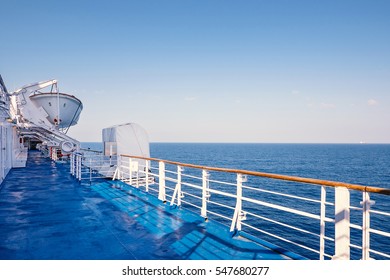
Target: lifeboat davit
{"x": 63, "y": 109}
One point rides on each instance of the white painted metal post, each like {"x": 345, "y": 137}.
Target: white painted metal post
{"x": 161, "y": 181}
{"x": 179, "y": 171}
{"x": 205, "y": 192}
{"x": 342, "y": 229}
{"x": 136, "y": 168}
{"x": 130, "y": 172}
{"x": 147, "y": 176}
{"x": 78, "y": 165}
{"x": 90, "y": 170}
{"x": 322, "y": 222}
{"x": 177, "y": 191}
{"x": 118, "y": 169}
{"x": 236, "y": 221}
{"x": 75, "y": 165}
{"x": 72, "y": 164}
{"x": 366, "y": 204}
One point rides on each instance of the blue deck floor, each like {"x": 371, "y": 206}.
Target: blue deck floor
{"x": 47, "y": 214}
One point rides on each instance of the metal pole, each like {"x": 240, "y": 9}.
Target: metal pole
{"x": 366, "y": 203}
{"x": 147, "y": 176}
{"x": 161, "y": 181}
{"x": 205, "y": 192}
{"x": 236, "y": 221}
{"x": 322, "y": 222}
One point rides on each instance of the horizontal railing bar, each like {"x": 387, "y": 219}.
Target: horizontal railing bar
{"x": 283, "y": 224}
{"x": 286, "y": 195}
{"x": 275, "y": 176}
{"x": 355, "y": 208}
{"x": 192, "y": 195}
{"x": 189, "y": 203}
{"x": 223, "y": 183}
{"x": 327, "y": 255}
{"x": 219, "y": 215}
{"x": 169, "y": 188}
{"x": 329, "y": 238}
{"x": 222, "y": 205}
{"x": 380, "y": 253}
{"x": 379, "y": 212}
{"x": 222, "y": 193}
{"x": 355, "y": 226}
{"x": 355, "y": 246}
{"x": 154, "y": 174}
{"x": 191, "y": 185}
{"x": 379, "y": 232}
{"x": 282, "y": 208}
{"x": 191, "y": 176}
{"x": 173, "y": 180}
{"x": 281, "y": 238}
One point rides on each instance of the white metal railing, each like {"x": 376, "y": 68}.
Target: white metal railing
{"x": 134, "y": 172}
{"x": 90, "y": 165}
{"x": 315, "y": 216}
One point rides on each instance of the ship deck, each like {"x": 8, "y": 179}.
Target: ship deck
{"x": 46, "y": 214}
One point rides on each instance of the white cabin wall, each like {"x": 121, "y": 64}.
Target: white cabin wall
{"x": 6, "y": 149}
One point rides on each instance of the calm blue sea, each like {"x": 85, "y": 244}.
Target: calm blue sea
{"x": 365, "y": 164}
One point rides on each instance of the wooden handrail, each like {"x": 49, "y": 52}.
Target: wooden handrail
{"x": 275, "y": 176}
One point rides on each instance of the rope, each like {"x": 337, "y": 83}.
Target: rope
{"x": 73, "y": 118}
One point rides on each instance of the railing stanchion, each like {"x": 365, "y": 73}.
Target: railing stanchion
{"x": 90, "y": 170}
{"x": 147, "y": 176}
{"x": 342, "y": 224}
{"x": 238, "y": 215}
{"x": 78, "y": 166}
{"x": 366, "y": 205}
{"x": 205, "y": 192}
{"x": 161, "y": 181}
{"x": 130, "y": 172}
{"x": 136, "y": 168}
{"x": 71, "y": 164}
{"x": 177, "y": 192}
{"x": 322, "y": 222}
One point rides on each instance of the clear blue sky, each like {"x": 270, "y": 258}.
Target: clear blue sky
{"x": 210, "y": 71}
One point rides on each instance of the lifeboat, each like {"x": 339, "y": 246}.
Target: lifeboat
{"x": 63, "y": 109}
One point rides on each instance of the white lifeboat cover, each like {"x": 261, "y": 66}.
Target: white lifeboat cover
{"x": 130, "y": 138}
